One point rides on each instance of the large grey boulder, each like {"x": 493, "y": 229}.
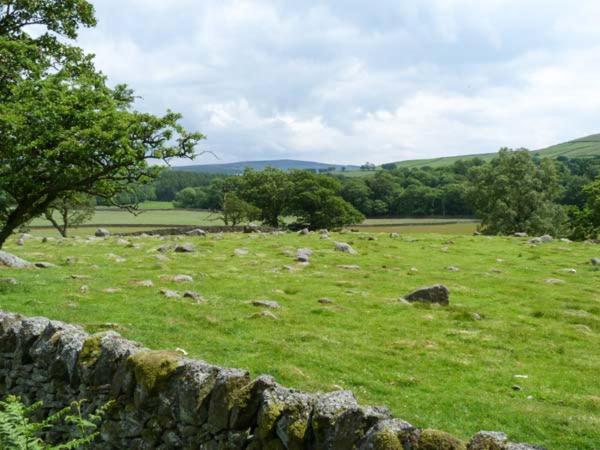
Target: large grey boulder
{"x": 303, "y": 255}
{"x": 196, "y": 232}
{"x": 345, "y": 248}
{"x": 102, "y": 232}
{"x": 184, "y": 248}
{"x": 12, "y": 261}
{"x": 432, "y": 294}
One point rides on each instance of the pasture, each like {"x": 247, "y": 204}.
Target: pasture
{"x": 517, "y": 350}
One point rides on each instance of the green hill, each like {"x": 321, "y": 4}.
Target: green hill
{"x": 284, "y": 164}
{"x": 585, "y": 147}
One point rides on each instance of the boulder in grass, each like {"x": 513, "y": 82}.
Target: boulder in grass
{"x": 266, "y": 304}
{"x": 438, "y": 293}
{"x": 170, "y": 294}
{"x": 304, "y": 231}
{"x": 303, "y": 255}
{"x": 595, "y": 261}
{"x": 12, "y": 261}
{"x": 185, "y": 248}
{"x": 8, "y": 281}
{"x": 345, "y": 248}
{"x": 196, "y": 232}
{"x": 102, "y": 232}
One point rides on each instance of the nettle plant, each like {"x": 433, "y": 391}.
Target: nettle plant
{"x": 18, "y": 429}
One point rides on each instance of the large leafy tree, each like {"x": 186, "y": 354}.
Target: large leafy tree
{"x": 63, "y": 130}
{"x": 515, "y": 193}
{"x": 268, "y": 190}
{"x": 315, "y": 200}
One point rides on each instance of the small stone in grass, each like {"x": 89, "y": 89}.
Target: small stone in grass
{"x": 266, "y": 304}
{"x": 8, "y": 281}
{"x": 325, "y": 301}
{"x": 44, "y": 265}
{"x": 84, "y": 289}
{"x": 144, "y": 283}
{"x": 111, "y": 290}
{"x": 170, "y": 294}
{"x": 194, "y": 295}
{"x": 184, "y": 248}
{"x": 265, "y": 314}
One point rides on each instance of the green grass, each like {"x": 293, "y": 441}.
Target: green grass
{"x": 433, "y": 366}
{"x": 162, "y": 217}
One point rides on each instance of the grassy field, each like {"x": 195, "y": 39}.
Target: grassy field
{"x": 512, "y": 352}
{"x": 154, "y": 215}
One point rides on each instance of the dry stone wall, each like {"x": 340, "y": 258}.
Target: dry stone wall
{"x": 165, "y": 401}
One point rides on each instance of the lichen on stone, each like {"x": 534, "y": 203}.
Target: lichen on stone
{"x": 439, "y": 440}
{"x": 153, "y": 368}
{"x": 269, "y": 414}
{"x": 91, "y": 350}
{"x": 386, "y": 439}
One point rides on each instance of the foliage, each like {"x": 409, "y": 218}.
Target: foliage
{"x": 316, "y": 202}
{"x": 19, "y": 431}
{"x": 63, "y": 129}
{"x": 236, "y": 210}
{"x": 72, "y": 211}
{"x": 585, "y": 221}
{"x": 268, "y": 190}
{"x": 513, "y": 193}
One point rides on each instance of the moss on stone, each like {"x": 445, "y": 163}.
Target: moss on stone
{"x": 153, "y": 368}
{"x": 269, "y": 415}
{"x": 386, "y": 439}
{"x": 91, "y": 350}
{"x": 296, "y": 434}
{"x": 439, "y": 440}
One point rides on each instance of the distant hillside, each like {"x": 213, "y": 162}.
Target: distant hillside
{"x": 585, "y": 147}
{"x": 284, "y": 164}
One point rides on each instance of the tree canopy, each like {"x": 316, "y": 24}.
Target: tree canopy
{"x": 63, "y": 129}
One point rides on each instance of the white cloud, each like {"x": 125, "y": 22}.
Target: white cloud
{"x": 376, "y": 81}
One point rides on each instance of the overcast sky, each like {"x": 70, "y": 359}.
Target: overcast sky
{"x": 349, "y": 81}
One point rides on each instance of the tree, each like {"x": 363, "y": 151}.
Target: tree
{"x": 190, "y": 198}
{"x": 515, "y": 193}
{"x": 72, "y": 211}
{"x": 62, "y": 129}
{"x": 585, "y": 221}
{"x": 236, "y": 210}
{"x": 315, "y": 200}
{"x": 268, "y": 190}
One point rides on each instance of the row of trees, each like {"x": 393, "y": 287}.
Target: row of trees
{"x": 516, "y": 191}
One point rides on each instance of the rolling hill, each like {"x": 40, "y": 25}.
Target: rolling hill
{"x": 284, "y": 164}
{"x": 584, "y": 147}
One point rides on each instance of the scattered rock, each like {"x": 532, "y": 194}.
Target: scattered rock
{"x": 111, "y": 290}
{"x": 349, "y": 266}
{"x": 325, "y": 301}
{"x": 122, "y": 242}
{"x": 521, "y": 376}
{"x": 541, "y": 239}
{"x": 21, "y": 242}
{"x": 565, "y": 240}
{"x": 595, "y": 261}
{"x": 569, "y": 270}
{"x": 266, "y": 304}
{"x": 554, "y": 281}
{"x": 144, "y": 283}
{"x": 8, "y": 281}
{"x": 102, "y": 232}
{"x": 84, "y": 289}
{"x": 79, "y": 277}
{"x": 183, "y": 279}
{"x": 196, "y": 232}
{"x": 44, "y": 265}
{"x": 345, "y": 248}
{"x": 70, "y": 261}
{"x": 304, "y": 231}
{"x": 184, "y": 248}
{"x": 194, "y": 295}
{"x": 413, "y": 271}
{"x": 12, "y": 261}
{"x": 303, "y": 255}
{"x": 432, "y": 294}
{"x": 476, "y": 316}
{"x": 521, "y": 234}
{"x": 453, "y": 269}
{"x": 516, "y": 387}
{"x": 170, "y": 294}
{"x": 163, "y": 248}
{"x": 181, "y": 351}
{"x": 241, "y": 251}
{"x": 394, "y": 235}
